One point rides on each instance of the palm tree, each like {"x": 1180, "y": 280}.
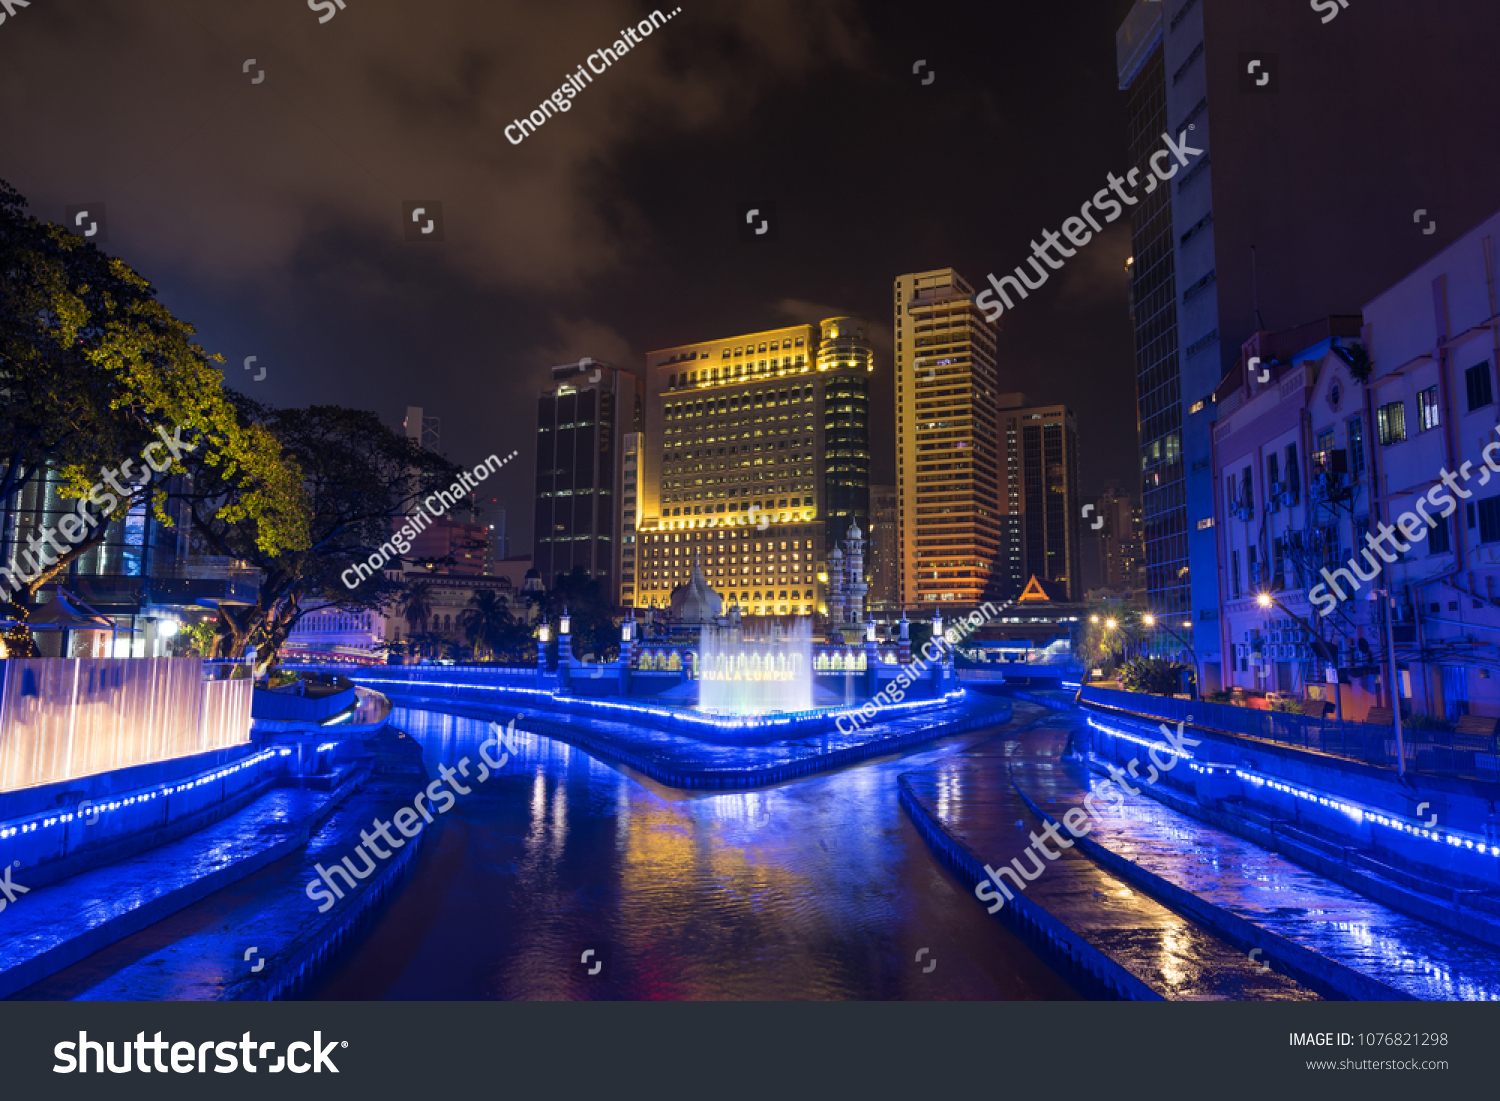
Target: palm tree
{"x": 416, "y": 606}
{"x": 484, "y": 620}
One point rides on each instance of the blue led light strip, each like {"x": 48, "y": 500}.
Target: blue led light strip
{"x": 1359, "y": 813}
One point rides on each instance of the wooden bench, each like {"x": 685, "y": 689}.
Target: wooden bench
{"x": 1380, "y": 716}
{"x": 1316, "y": 709}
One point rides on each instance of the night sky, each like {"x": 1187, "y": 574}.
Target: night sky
{"x": 269, "y": 214}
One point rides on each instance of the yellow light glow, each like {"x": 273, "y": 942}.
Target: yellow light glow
{"x": 1264, "y": 600}
{"x": 1110, "y": 624}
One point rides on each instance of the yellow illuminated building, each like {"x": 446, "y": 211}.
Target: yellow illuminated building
{"x": 755, "y": 456}
{"x": 947, "y": 451}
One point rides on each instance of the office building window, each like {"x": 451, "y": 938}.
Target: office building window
{"x": 1390, "y": 423}
{"x": 1477, "y": 383}
{"x": 1427, "y": 409}
{"x": 1489, "y": 520}
{"x": 1356, "y": 445}
{"x": 1438, "y": 539}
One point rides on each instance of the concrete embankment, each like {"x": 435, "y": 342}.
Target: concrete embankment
{"x": 682, "y": 762}
{"x": 1094, "y": 924}
{"x": 1423, "y": 846}
{"x": 229, "y": 902}
{"x": 1326, "y": 935}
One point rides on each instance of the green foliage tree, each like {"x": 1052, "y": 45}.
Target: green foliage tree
{"x": 1156, "y": 676}
{"x": 361, "y": 481}
{"x": 91, "y": 364}
{"x": 486, "y": 622}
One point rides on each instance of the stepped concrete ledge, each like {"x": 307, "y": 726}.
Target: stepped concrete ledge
{"x": 55, "y": 926}
{"x": 200, "y": 952}
{"x": 682, "y": 762}
{"x": 1302, "y": 922}
{"x": 1097, "y": 925}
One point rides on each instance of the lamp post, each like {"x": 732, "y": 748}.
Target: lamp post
{"x": 1320, "y": 647}
{"x": 1151, "y": 621}
{"x": 543, "y": 636}
{"x": 1395, "y": 693}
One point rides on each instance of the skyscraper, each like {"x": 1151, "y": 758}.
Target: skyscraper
{"x": 1229, "y": 247}
{"x": 583, "y": 418}
{"x": 947, "y": 449}
{"x": 1048, "y": 445}
{"x": 885, "y": 548}
{"x": 755, "y": 459}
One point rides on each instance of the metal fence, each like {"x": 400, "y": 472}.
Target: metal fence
{"x": 1436, "y": 753}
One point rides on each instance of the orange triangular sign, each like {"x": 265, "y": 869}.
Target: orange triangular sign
{"x": 1034, "y": 591}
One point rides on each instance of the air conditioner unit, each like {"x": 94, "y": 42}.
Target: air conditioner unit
{"x": 1288, "y": 498}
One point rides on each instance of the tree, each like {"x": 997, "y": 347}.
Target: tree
{"x": 1157, "y": 676}
{"x": 362, "y": 482}
{"x": 91, "y": 365}
{"x": 1113, "y": 627}
{"x": 591, "y": 614}
{"x": 485, "y": 620}
{"x": 416, "y": 605}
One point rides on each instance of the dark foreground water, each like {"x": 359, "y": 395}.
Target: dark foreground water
{"x": 819, "y": 888}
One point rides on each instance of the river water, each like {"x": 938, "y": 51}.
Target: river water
{"x": 815, "y": 889}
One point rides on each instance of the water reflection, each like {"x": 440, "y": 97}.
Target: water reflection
{"x": 815, "y": 889}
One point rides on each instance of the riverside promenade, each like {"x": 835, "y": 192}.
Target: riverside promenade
{"x": 1324, "y": 935}
{"x": 1099, "y": 926}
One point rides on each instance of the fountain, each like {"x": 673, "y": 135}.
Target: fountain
{"x": 743, "y": 675}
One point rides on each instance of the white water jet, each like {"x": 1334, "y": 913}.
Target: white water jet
{"x": 741, "y": 674}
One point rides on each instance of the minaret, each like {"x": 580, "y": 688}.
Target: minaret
{"x": 855, "y": 567}
{"x": 836, "y": 587}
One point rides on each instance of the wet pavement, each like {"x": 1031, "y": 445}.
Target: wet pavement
{"x": 1409, "y": 956}
{"x": 51, "y": 918}
{"x": 972, "y": 799}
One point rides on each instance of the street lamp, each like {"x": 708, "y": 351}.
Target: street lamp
{"x": 1151, "y": 621}
{"x": 1395, "y": 692}
{"x": 1320, "y": 647}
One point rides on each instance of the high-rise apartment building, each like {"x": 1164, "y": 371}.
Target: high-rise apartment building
{"x": 583, "y": 418}
{"x": 1050, "y": 511}
{"x": 1227, "y": 248}
{"x": 885, "y": 548}
{"x": 754, "y": 460}
{"x": 1120, "y": 563}
{"x": 630, "y": 495}
{"x": 947, "y": 450}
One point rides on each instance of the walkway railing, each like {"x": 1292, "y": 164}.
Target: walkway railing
{"x": 1435, "y": 753}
